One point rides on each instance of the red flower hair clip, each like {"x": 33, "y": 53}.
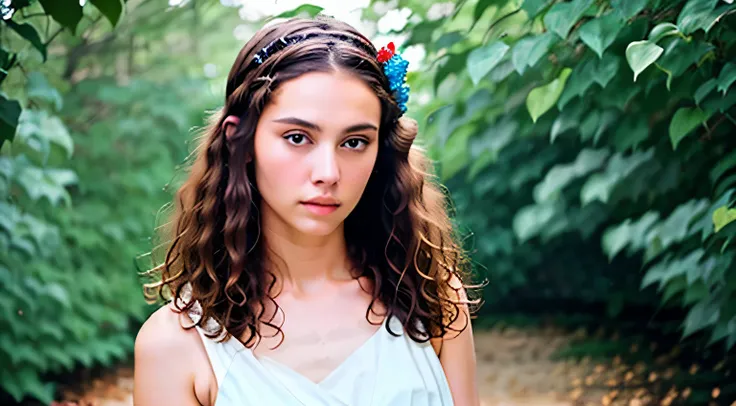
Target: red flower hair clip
{"x": 386, "y": 53}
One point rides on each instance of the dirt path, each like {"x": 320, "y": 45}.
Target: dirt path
{"x": 514, "y": 369}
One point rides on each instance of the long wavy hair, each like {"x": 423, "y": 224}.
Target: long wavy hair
{"x": 399, "y": 235}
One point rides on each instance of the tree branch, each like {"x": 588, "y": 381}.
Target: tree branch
{"x": 495, "y": 23}
{"x": 53, "y": 36}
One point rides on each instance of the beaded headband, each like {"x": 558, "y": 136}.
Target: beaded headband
{"x": 394, "y": 66}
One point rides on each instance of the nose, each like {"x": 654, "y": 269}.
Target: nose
{"x": 325, "y": 168}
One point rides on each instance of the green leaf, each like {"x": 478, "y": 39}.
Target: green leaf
{"x": 308, "y": 10}
{"x": 9, "y": 113}
{"x": 628, "y": 234}
{"x": 568, "y": 119}
{"x": 628, "y": 8}
{"x": 542, "y": 98}
{"x": 480, "y": 9}
{"x": 700, "y": 316}
{"x": 529, "y": 50}
{"x": 719, "y": 103}
{"x": 641, "y": 54}
{"x": 600, "y": 186}
{"x": 662, "y": 30}
{"x": 482, "y": 161}
{"x": 533, "y": 7}
{"x": 38, "y": 125}
{"x": 455, "y": 152}
{"x": 581, "y": 78}
{"x": 722, "y": 330}
{"x": 455, "y": 63}
{"x": 68, "y": 13}
{"x": 563, "y": 123}
{"x": 727, "y": 183}
{"x": 726, "y": 77}
{"x": 49, "y": 183}
{"x": 716, "y": 15}
{"x": 695, "y": 293}
{"x": 620, "y": 94}
{"x": 482, "y": 60}
{"x": 697, "y": 14}
{"x": 631, "y": 132}
{"x": 722, "y": 216}
{"x": 38, "y": 88}
{"x": 422, "y": 33}
{"x": 529, "y": 221}
{"x": 605, "y": 69}
{"x": 680, "y": 55}
{"x": 599, "y": 33}
{"x": 666, "y": 270}
{"x": 596, "y": 124}
{"x": 447, "y": 40}
{"x": 494, "y": 139}
{"x": 589, "y": 125}
{"x": 28, "y": 32}
{"x": 27, "y": 381}
{"x": 111, "y": 9}
{"x": 673, "y": 287}
{"x": 562, "y": 175}
{"x": 704, "y": 90}
{"x": 597, "y": 187}
{"x": 684, "y": 121}
{"x": 722, "y": 167}
{"x": 562, "y": 16}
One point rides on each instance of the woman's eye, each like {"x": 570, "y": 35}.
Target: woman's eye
{"x": 296, "y": 139}
{"x": 355, "y": 143}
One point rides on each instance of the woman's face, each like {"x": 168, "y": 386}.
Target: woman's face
{"x": 315, "y": 148}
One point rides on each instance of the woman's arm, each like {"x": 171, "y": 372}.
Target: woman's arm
{"x": 163, "y": 373}
{"x": 457, "y": 356}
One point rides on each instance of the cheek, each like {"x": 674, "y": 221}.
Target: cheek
{"x": 274, "y": 167}
{"x": 360, "y": 172}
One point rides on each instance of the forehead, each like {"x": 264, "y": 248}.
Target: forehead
{"x": 325, "y": 98}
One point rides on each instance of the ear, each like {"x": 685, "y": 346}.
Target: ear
{"x": 229, "y": 125}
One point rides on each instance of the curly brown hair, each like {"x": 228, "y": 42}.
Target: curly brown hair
{"x": 399, "y": 235}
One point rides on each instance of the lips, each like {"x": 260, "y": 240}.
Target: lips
{"x": 322, "y": 201}
{"x": 321, "y": 205}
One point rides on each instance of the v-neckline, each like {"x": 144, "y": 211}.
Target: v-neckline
{"x": 260, "y": 358}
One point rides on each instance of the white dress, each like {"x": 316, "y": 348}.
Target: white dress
{"x": 384, "y": 371}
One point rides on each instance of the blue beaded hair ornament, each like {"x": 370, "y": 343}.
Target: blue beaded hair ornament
{"x": 394, "y": 66}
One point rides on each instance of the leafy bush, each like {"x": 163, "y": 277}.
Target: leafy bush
{"x": 588, "y": 145}
{"x": 82, "y": 167}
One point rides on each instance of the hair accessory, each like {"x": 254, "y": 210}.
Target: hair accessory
{"x": 283, "y": 42}
{"x": 395, "y": 67}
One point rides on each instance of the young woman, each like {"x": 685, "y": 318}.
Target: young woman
{"x": 312, "y": 261}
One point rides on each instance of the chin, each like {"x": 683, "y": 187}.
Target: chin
{"x": 315, "y": 227}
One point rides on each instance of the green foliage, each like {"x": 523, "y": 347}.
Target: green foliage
{"x": 83, "y": 164}
{"x": 482, "y": 60}
{"x": 578, "y": 180}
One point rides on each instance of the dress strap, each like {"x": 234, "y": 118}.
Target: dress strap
{"x": 220, "y": 353}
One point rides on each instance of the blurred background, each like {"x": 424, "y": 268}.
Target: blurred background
{"x": 589, "y": 147}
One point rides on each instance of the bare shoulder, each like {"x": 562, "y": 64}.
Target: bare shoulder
{"x": 166, "y": 358}
{"x": 456, "y": 293}
{"x": 457, "y": 354}
{"x": 163, "y": 333}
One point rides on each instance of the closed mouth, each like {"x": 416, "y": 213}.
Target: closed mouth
{"x": 322, "y": 202}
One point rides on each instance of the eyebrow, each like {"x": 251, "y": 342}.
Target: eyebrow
{"x": 315, "y": 127}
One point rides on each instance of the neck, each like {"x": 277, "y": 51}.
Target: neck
{"x": 304, "y": 264}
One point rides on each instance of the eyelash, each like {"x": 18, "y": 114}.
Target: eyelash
{"x": 288, "y": 137}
